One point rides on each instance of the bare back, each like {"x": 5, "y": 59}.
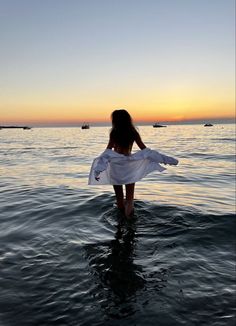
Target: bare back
{"x": 126, "y": 150}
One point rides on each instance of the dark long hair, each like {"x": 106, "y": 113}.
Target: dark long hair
{"x": 123, "y": 132}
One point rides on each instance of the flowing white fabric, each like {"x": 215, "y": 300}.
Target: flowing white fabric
{"x": 117, "y": 169}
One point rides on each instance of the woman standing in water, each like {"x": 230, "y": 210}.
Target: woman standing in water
{"x": 118, "y": 167}
{"x": 122, "y": 136}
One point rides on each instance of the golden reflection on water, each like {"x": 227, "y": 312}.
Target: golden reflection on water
{"x": 55, "y": 157}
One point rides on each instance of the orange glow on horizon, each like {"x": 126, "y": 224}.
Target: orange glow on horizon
{"x": 147, "y": 109}
{"x": 137, "y": 118}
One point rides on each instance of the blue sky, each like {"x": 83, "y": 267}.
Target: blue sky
{"x": 97, "y": 55}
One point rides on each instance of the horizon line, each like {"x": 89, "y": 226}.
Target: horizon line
{"x": 108, "y": 123}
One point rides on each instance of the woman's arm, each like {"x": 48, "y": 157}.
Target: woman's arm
{"x": 139, "y": 142}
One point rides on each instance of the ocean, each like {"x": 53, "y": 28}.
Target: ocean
{"x": 69, "y": 257}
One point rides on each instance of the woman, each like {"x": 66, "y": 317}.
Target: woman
{"x": 118, "y": 167}
{"x": 122, "y": 136}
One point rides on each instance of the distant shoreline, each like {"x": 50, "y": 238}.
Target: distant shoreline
{"x": 138, "y": 123}
{"x": 15, "y": 127}
{"x": 108, "y": 124}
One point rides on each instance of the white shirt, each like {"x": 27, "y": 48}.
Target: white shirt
{"x": 118, "y": 169}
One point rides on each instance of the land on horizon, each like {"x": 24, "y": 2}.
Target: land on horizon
{"x": 106, "y": 123}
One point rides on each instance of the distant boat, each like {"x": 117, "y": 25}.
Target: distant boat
{"x": 157, "y": 125}
{"x": 85, "y": 126}
{"x": 26, "y": 128}
{"x": 208, "y": 125}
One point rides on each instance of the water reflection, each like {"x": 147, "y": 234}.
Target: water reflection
{"x": 119, "y": 277}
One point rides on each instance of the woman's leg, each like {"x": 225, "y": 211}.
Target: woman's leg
{"x": 119, "y": 196}
{"x": 129, "y": 204}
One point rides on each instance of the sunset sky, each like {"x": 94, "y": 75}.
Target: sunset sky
{"x": 69, "y": 61}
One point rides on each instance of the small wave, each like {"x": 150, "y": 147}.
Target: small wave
{"x": 211, "y": 156}
{"x": 224, "y": 139}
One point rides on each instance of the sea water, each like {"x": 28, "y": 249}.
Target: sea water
{"x": 69, "y": 257}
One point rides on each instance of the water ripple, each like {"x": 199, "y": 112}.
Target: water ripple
{"x": 75, "y": 258}
{"x": 68, "y": 257}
